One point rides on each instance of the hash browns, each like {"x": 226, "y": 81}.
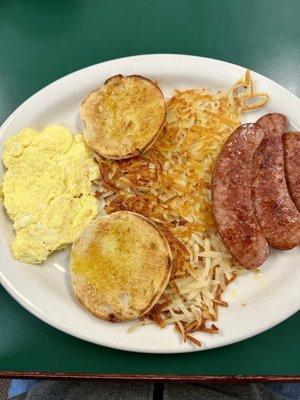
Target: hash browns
{"x": 171, "y": 184}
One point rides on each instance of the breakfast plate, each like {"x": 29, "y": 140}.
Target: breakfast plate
{"x": 257, "y": 300}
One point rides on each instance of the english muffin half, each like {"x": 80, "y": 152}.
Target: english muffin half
{"x": 120, "y": 266}
{"x": 124, "y": 117}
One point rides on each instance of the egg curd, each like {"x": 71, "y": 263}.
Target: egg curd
{"x": 47, "y": 190}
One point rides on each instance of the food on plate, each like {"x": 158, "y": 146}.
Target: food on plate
{"x": 291, "y": 147}
{"x": 171, "y": 184}
{"x": 157, "y": 253}
{"x": 275, "y": 211}
{"x": 47, "y": 190}
{"x": 231, "y": 197}
{"x": 120, "y": 266}
{"x": 249, "y": 217}
{"x": 123, "y": 118}
{"x": 245, "y": 95}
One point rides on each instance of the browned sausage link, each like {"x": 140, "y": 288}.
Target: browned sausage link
{"x": 275, "y": 211}
{"x": 291, "y": 147}
{"x": 231, "y": 197}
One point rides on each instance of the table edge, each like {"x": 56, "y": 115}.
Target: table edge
{"x": 150, "y": 377}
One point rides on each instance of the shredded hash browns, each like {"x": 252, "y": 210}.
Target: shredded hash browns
{"x": 171, "y": 184}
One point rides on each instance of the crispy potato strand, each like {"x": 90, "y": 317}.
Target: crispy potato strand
{"x": 170, "y": 184}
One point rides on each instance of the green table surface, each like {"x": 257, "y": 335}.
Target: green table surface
{"x": 41, "y": 41}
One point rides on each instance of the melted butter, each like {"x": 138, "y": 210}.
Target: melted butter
{"x": 113, "y": 258}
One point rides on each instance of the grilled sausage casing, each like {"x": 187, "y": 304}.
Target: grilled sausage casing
{"x": 291, "y": 147}
{"x": 275, "y": 211}
{"x": 231, "y": 197}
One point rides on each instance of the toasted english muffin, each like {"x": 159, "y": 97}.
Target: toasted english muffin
{"x": 124, "y": 117}
{"x": 120, "y": 266}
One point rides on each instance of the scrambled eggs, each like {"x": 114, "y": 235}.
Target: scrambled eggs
{"x": 47, "y": 190}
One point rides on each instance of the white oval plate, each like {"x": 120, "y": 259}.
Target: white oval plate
{"x": 257, "y": 303}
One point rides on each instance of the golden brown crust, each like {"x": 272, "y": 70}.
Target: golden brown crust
{"x": 124, "y": 117}
{"x": 129, "y": 273}
{"x": 169, "y": 264}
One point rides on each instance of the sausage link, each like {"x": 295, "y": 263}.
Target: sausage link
{"x": 275, "y": 211}
{"x": 231, "y": 197}
{"x": 291, "y": 147}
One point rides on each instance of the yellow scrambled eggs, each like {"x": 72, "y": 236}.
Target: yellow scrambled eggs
{"x": 47, "y": 190}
